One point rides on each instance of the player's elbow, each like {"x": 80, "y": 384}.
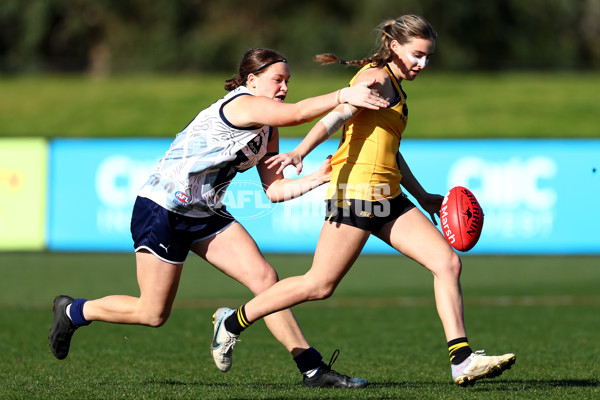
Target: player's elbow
{"x": 302, "y": 116}
{"x": 273, "y": 195}
{"x": 280, "y": 190}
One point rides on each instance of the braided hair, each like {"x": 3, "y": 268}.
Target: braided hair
{"x": 402, "y": 29}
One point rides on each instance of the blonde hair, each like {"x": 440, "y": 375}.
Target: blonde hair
{"x": 402, "y": 29}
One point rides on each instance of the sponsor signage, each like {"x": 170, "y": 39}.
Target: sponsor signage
{"x": 530, "y": 192}
{"x": 538, "y": 196}
{"x": 93, "y": 187}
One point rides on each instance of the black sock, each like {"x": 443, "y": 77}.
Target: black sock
{"x": 308, "y": 360}
{"x": 237, "y": 321}
{"x": 459, "y": 350}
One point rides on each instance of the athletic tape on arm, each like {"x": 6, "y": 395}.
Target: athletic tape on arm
{"x": 336, "y": 119}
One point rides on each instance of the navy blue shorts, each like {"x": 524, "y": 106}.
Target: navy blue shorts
{"x": 367, "y": 215}
{"x": 169, "y": 235}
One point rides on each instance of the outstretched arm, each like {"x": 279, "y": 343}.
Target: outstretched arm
{"x": 322, "y": 130}
{"x": 277, "y": 188}
{"x": 374, "y": 78}
{"x": 246, "y": 111}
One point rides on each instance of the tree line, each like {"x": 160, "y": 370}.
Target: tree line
{"x": 178, "y": 36}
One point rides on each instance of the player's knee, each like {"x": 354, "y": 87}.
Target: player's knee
{"x": 267, "y": 278}
{"x": 456, "y": 265}
{"x": 453, "y": 265}
{"x": 155, "y": 318}
{"x": 321, "y": 291}
{"x": 448, "y": 265}
{"x": 157, "y": 321}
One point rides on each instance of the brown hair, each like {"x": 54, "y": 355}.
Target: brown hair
{"x": 253, "y": 62}
{"x": 402, "y": 29}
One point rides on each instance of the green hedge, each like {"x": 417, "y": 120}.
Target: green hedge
{"x": 113, "y": 36}
{"x": 472, "y": 105}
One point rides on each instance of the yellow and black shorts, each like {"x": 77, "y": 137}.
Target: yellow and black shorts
{"x": 367, "y": 215}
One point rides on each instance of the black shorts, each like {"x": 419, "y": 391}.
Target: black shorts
{"x": 367, "y": 215}
{"x": 168, "y": 235}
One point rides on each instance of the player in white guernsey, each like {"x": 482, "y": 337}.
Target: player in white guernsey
{"x": 190, "y": 179}
{"x": 179, "y": 210}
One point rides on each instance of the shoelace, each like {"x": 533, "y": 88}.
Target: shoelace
{"x": 334, "y": 357}
{"x": 230, "y": 343}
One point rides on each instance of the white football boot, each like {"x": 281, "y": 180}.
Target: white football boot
{"x": 478, "y": 366}
{"x": 223, "y": 341}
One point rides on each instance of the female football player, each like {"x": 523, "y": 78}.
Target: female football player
{"x": 179, "y": 209}
{"x": 365, "y": 198}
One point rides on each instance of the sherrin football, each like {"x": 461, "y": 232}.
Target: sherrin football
{"x": 461, "y": 218}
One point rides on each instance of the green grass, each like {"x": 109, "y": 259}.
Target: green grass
{"x": 474, "y": 105}
{"x": 382, "y": 318}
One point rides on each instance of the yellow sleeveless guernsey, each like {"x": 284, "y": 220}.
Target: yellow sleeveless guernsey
{"x": 365, "y": 166}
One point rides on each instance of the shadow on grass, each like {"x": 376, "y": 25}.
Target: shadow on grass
{"x": 261, "y": 385}
{"x": 481, "y": 385}
{"x": 519, "y": 384}
{"x": 562, "y": 383}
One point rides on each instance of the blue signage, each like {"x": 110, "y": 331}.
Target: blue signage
{"x": 538, "y": 196}
{"x": 92, "y": 188}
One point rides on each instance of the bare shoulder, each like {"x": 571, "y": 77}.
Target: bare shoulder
{"x": 370, "y": 74}
{"x": 380, "y": 76}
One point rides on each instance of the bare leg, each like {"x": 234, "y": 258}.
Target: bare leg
{"x": 158, "y": 282}
{"x": 416, "y": 237}
{"x": 235, "y": 253}
{"x": 338, "y": 247}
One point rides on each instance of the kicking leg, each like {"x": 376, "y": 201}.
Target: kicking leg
{"x": 415, "y": 236}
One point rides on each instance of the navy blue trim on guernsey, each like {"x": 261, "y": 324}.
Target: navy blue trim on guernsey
{"x": 398, "y": 97}
{"x": 229, "y": 124}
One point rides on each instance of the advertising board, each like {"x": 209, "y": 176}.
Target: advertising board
{"x": 538, "y": 196}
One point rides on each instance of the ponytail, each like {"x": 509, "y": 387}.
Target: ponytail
{"x": 234, "y": 83}
{"x": 403, "y": 29}
{"x": 329, "y": 58}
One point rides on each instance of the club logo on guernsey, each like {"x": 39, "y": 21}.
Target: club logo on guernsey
{"x": 182, "y": 198}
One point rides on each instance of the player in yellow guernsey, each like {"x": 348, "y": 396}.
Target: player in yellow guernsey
{"x": 365, "y": 198}
{"x": 179, "y": 210}
{"x": 365, "y": 166}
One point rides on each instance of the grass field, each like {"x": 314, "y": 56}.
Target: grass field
{"x": 473, "y": 105}
{"x": 382, "y": 318}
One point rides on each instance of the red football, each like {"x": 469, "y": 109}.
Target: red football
{"x": 461, "y": 217}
